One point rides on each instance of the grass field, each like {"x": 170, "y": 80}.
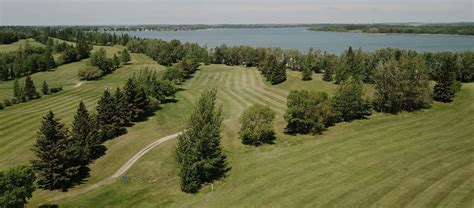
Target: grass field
{"x": 20, "y": 122}
{"x": 420, "y": 159}
{"x": 16, "y": 45}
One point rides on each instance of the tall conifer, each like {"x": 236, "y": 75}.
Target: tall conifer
{"x": 59, "y": 163}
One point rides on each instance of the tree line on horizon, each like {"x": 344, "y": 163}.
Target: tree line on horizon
{"x": 451, "y": 29}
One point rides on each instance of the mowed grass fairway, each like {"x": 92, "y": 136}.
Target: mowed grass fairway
{"x": 21, "y": 43}
{"x": 19, "y": 123}
{"x": 420, "y": 159}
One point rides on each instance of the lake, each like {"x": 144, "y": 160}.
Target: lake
{"x": 299, "y": 38}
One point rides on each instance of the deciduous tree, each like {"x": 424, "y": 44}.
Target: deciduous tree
{"x": 16, "y": 186}
{"x": 257, "y": 125}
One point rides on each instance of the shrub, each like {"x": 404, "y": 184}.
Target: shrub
{"x": 89, "y": 73}
{"x": 257, "y": 125}
{"x": 7, "y": 102}
{"x": 308, "y": 112}
{"x": 2, "y": 106}
{"x": 14, "y": 101}
{"x": 56, "y": 89}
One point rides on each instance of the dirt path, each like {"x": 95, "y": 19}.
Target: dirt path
{"x": 120, "y": 171}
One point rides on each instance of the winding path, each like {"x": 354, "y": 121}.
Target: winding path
{"x": 120, "y": 171}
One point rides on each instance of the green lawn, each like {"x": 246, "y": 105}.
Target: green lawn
{"x": 420, "y": 159}
{"x": 20, "y": 122}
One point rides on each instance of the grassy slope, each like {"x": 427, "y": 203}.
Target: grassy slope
{"x": 19, "y": 123}
{"x": 16, "y": 45}
{"x": 420, "y": 159}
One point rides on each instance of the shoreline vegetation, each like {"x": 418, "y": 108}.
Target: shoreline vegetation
{"x": 455, "y": 29}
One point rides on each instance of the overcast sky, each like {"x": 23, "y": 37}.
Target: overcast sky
{"x": 87, "y": 12}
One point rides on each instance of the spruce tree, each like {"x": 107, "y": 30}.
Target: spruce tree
{"x": 307, "y": 67}
{"x": 30, "y": 89}
{"x": 122, "y": 108}
{"x": 85, "y": 135}
{"x": 199, "y": 153}
{"x": 45, "y": 88}
{"x": 136, "y": 98}
{"x": 59, "y": 163}
{"x": 107, "y": 121}
{"x": 445, "y": 88}
{"x": 116, "y": 61}
{"x": 83, "y": 49}
{"x": 124, "y": 56}
{"x": 277, "y": 71}
{"x": 17, "y": 89}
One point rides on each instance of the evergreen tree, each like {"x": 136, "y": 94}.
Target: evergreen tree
{"x": 83, "y": 49}
{"x": 59, "y": 163}
{"x": 136, "y": 98}
{"x": 445, "y": 88}
{"x": 351, "y": 64}
{"x": 50, "y": 63}
{"x": 124, "y": 56}
{"x": 45, "y": 88}
{"x": 122, "y": 108}
{"x": 16, "y": 186}
{"x": 116, "y": 61}
{"x": 349, "y": 102}
{"x": 328, "y": 64}
{"x": 18, "y": 90}
{"x": 30, "y": 89}
{"x": 199, "y": 155}
{"x": 107, "y": 121}
{"x": 85, "y": 135}
{"x": 276, "y": 72}
{"x": 307, "y": 67}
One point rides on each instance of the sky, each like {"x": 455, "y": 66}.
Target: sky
{"x": 129, "y": 12}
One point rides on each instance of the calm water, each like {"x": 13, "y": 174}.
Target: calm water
{"x": 298, "y": 38}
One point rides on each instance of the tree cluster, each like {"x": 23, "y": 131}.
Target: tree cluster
{"x": 99, "y": 65}
{"x": 168, "y": 53}
{"x": 199, "y": 154}
{"x": 311, "y": 112}
{"x": 63, "y": 155}
{"x": 10, "y": 36}
{"x": 27, "y": 60}
{"x": 402, "y": 85}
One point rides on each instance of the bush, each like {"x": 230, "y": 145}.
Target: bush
{"x": 56, "y": 89}
{"x": 7, "y": 102}
{"x": 257, "y": 125}
{"x": 308, "y": 112}
{"x": 14, "y": 101}
{"x": 2, "y": 106}
{"x": 89, "y": 73}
